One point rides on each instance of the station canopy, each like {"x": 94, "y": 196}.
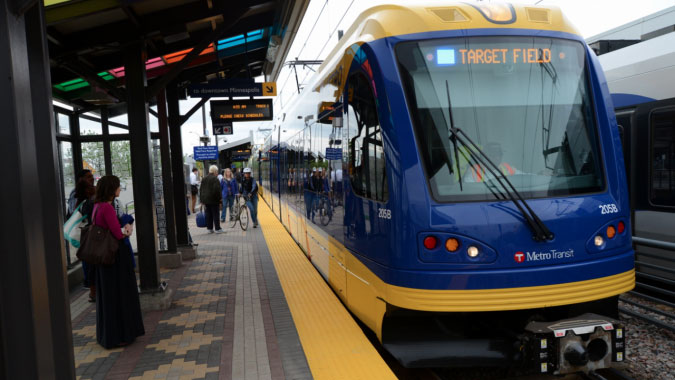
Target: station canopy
{"x": 235, "y": 39}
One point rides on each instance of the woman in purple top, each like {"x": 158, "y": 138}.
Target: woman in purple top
{"x": 118, "y": 309}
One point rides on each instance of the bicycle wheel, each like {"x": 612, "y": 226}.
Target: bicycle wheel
{"x": 233, "y": 217}
{"x": 323, "y": 212}
{"x": 243, "y": 217}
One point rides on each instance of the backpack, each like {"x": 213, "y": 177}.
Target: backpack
{"x": 72, "y": 229}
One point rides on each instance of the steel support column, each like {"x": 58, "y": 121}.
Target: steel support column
{"x": 167, "y": 183}
{"x": 141, "y": 167}
{"x": 35, "y": 328}
{"x": 179, "y": 190}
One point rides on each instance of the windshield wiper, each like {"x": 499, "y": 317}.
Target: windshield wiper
{"x": 541, "y": 232}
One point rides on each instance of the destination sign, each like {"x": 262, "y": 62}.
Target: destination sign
{"x": 447, "y": 56}
{"x": 241, "y": 110}
{"x": 232, "y": 87}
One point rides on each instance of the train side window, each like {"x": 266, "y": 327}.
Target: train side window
{"x": 662, "y": 157}
{"x": 366, "y": 151}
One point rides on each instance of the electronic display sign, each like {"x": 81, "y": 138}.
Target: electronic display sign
{"x": 241, "y": 110}
{"x": 450, "y": 56}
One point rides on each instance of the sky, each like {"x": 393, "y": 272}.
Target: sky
{"x": 317, "y": 36}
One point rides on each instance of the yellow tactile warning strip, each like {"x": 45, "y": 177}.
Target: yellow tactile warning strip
{"x": 333, "y": 343}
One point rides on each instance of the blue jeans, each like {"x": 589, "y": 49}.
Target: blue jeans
{"x": 252, "y": 205}
{"x": 228, "y": 202}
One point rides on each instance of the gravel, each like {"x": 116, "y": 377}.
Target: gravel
{"x": 650, "y": 350}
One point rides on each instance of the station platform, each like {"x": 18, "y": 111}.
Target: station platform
{"x": 250, "y": 306}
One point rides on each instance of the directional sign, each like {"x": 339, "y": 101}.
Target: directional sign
{"x": 333, "y": 153}
{"x": 222, "y": 129}
{"x": 202, "y": 153}
{"x": 232, "y": 87}
{"x": 241, "y": 110}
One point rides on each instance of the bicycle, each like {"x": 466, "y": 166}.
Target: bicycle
{"x": 240, "y": 213}
{"x": 324, "y": 208}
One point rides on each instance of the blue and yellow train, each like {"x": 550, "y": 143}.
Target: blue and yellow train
{"x": 455, "y": 173}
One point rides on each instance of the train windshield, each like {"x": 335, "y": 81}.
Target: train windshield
{"x": 524, "y": 101}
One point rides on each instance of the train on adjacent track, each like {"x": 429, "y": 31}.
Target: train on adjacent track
{"x": 454, "y": 173}
{"x": 641, "y": 80}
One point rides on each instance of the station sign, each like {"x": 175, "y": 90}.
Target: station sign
{"x": 333, "y": 153}
{"x": 222, "y": 129}
{"x": 232, "y": 87}
{"x": 240, "y": 110}
{"x": 203, "y": 153}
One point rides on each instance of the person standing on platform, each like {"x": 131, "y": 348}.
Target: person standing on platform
{"x": 118, "y": 309}
{"x": 249, "y": 189}
{"x": 84, "y": 194}
{"x": 194, "y": 188}
{"x": 229, "y": 189}
{"x": 210, "y": 196}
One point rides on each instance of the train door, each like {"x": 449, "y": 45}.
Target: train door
{"x": 367, "y": 214}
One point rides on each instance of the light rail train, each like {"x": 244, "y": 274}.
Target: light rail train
{"x": 472, "y": 207}
{"x": 641, "y": 79}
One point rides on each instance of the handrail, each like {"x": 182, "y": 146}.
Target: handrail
{"x": 654, "y": 243}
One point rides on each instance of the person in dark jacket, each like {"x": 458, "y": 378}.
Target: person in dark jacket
{"x": 210, "y": 196}
{"x": 229, "y": 189}
{"x": 249, "y": 189}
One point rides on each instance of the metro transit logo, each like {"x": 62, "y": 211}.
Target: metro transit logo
{"x": 553, "y": 254}
{"x": 519, "y": 257}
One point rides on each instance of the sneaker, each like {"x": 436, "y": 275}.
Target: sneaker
{"x": 210, "y": 231}
{"x": 255, "y": 225}
{"x": 219, "y": 231}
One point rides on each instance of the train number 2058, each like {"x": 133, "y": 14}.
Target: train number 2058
{"x": 383, "y": 213}
{"x": 608, "y": 209}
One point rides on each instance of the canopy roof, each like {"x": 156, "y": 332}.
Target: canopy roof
{"x": 87, "y": 39}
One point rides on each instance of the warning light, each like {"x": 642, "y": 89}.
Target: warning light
{"x": 430, "y": 57}
{"x": 452, "y": 245}
{"x": 430, "y": 242}
{"x": 611, "y": 232}
{"x": 620, "y": 227}
{"x": 561, "y": 55}
{"x": 445, "y": 56}
{"x": 499, "y": 13}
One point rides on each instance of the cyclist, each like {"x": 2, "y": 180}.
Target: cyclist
{"x": 325, "y": 192}
{"x": 316, "y": 184}
{"x": 249, "y": 190}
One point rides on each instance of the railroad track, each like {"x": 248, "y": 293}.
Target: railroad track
{"x": 605, "y": 374}
{"x": 670, "y": 317}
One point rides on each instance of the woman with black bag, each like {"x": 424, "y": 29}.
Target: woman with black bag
{"x": 118, "y": 310}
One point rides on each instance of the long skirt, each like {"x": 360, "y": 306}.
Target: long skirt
{"x": 118, "y": 308}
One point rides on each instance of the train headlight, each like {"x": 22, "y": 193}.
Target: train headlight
{"x": 599, "y": 241}
{"x": 452, "y": 245}
{"x": 472, "y": 251}
{"x": 611, "y": 232}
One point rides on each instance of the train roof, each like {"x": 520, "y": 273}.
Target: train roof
{"x": 394, "y": 20}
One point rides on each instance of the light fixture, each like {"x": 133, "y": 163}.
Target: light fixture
{"x": 472, "y": 251}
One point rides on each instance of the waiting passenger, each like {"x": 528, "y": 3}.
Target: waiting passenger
{"x": 118, "y": 309}
{"x": 210, "y": 196}
{"x": 194, "y": 188}
{"x": 249, "y": 189}
{"x": 229, "y": 190}
{"x": 84, "y": 194}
